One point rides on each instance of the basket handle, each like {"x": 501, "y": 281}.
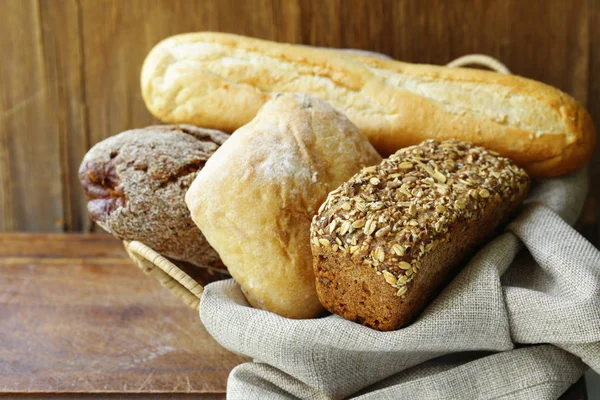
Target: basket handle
{"x": 479, "y": 59}
{"x": 168, "y": 274}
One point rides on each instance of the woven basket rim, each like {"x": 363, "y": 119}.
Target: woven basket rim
{"x": 168, "y": 274}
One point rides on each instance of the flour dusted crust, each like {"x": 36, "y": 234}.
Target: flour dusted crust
{"x": 256, "y": 196}
{"x": 220, "y": 80}
{"x": 385, "y": 240}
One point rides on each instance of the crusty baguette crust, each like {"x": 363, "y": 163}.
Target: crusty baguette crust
{"x": 255, "y": 198}
{"x": 221, "y": 80}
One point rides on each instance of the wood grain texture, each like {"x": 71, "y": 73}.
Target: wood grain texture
{"x": 62, "y": 51}
{"x": 73, "y": 78}
{"x": 30, "y": 162}
{"x": 79, "y": 317}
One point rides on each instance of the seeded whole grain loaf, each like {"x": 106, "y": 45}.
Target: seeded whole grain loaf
{"x": 385, "y": 241}
{"x": 255, "y": 198}
{"x": 136, "y": 183}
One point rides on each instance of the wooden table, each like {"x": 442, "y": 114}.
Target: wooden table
{"x": 78, "y": 319}
{"x": 77, "y": 316}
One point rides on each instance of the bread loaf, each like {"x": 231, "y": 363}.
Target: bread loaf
{"x": 136, "y": 182}
{"x": 220, "y": 80}
{"x": 386, "y": 240}
{"x": 256, "y": 196}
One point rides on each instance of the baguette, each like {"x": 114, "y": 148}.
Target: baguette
{"x": 221, "y": 80}
{"x": 406, "y": 225}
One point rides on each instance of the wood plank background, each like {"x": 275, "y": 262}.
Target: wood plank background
{"x": 70, "y": 71}
{"x": 78, "y": 317}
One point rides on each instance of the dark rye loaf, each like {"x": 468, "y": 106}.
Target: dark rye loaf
{"x": 136, "y": 182}
{"x": 386, "y": 241}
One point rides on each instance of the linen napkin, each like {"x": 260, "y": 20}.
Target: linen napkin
{"x": 520, "y": 321}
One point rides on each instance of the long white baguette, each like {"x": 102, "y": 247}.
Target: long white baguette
{"x": 220, "y": 81}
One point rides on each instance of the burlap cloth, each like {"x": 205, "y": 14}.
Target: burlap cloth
{"x": 520, "y": 321}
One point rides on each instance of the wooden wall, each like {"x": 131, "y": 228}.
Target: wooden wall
{"x": 70, "y": 69}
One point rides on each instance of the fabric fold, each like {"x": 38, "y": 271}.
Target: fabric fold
{"x": 536, "y": 283}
